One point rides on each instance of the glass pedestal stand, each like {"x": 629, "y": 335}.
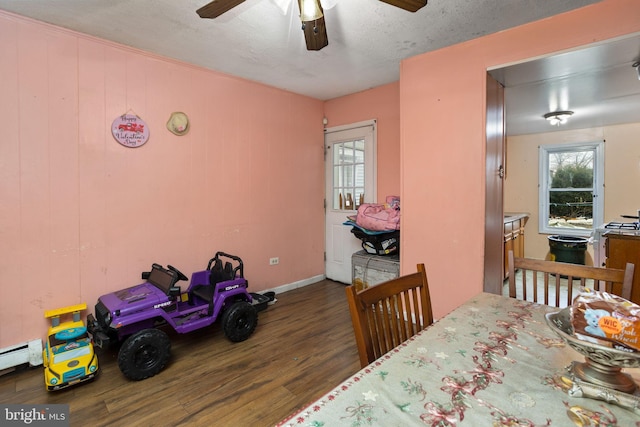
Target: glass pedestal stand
{"x": 600, "y": 376}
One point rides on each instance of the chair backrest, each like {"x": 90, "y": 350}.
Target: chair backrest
{"x": 535, "y": 280}
{"x": 387, "y": 314}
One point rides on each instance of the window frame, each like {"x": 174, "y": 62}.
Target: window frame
{"x": 544, "y": 152}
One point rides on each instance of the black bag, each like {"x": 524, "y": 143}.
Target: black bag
{"x": 379, "y": 244}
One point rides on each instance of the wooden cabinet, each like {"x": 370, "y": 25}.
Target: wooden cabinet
{"x": 621, "y": 249}
{"x": 513, "y": 238}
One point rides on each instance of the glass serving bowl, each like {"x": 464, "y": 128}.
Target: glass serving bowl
{"x": 603, "y": 365}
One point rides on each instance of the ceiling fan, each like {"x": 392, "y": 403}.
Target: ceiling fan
{"x": 311, "y": 16}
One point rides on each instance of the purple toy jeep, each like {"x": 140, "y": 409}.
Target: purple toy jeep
{"x": 132, "y": 316}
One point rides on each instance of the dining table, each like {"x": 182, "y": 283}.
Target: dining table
{"x": 493, "y": 361}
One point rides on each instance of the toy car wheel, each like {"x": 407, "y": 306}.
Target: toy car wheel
{"x": 239, "y": 321}
{"x": 144, "y": 354}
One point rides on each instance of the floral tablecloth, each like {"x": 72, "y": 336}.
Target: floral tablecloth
{"x": 491, "y": 362}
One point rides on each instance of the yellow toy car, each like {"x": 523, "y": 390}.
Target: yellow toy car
{"x": 68, "y": 355}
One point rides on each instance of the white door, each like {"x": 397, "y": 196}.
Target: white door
{"x": 350, "y": 179}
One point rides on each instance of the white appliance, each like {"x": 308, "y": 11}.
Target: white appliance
{"x": 600, "y": 238}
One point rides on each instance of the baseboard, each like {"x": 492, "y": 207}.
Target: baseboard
{"x": 28, "y": 352}
{"x": 296, "y": 285}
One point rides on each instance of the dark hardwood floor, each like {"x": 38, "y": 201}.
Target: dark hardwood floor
{"x": 303, "y": 346}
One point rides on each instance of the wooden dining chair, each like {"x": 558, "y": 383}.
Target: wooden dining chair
{"x": 387, "y": 314}
{"x": 536, "y": 280}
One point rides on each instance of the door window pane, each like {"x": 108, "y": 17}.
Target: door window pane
{"x": 348, "y": 174}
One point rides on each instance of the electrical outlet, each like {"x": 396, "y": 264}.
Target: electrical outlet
{"x": 274, "y": 261}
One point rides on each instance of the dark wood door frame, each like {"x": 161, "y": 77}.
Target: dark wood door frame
{"x": 495, "y": 171}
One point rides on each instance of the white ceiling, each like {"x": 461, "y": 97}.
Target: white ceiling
{"x": 367, "y": 41}
{"x": 598, "y": 83}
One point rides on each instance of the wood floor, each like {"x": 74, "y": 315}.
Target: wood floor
{"x": 303, "y": 346}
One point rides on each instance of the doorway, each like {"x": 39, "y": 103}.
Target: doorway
{"x": 596, "y": 81}
{"x": 350, "y": 180}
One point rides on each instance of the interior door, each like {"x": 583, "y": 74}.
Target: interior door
{"x": 350, "y": 179}
{"x": 495, "y": 172}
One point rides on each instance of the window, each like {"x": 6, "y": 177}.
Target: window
{"x": 571, "y": 188}
{"x": 348, "y": 174}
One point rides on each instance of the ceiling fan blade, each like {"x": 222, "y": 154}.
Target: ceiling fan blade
{"x": 410, "y": 5}
{"x": 217, "y": 8}
{"x": 315, "y": 32}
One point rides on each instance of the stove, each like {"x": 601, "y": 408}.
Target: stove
{"x": 623, "y": 225}
{"x": 599, "y": 237}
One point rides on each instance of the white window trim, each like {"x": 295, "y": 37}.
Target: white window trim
{"x": 543, "y": 186}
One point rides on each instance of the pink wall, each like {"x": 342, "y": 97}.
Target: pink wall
{"x": 383, "y": 104}
{"x": 82, "y": 215}
{"x": 442, "y": 106}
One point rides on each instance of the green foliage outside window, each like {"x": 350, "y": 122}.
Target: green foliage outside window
{"x": 565, "y": 202}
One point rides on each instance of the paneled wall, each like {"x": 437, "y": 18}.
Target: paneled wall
{"x": 82, "y": 215}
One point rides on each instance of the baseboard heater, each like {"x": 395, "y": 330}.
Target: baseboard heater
{"x": 28, "y": 352}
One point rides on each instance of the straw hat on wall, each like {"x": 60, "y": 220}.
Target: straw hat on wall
{"x": 178, "y": 123}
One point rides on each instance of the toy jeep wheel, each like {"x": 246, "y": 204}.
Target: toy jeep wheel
{"x": 239, "y": 321}
{"x": 144, "y": 354}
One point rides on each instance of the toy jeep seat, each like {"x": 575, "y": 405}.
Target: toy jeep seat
{"x": 216, "y": 276}
{"x": 229, "y": 273}
{"x": 217, "y": 273}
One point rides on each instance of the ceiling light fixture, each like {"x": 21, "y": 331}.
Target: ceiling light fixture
{"x": 636, "y": 65}
{"x": 410, "y": 5}
{"x": 558, "y": 118}
{"x": 310, "y": 10}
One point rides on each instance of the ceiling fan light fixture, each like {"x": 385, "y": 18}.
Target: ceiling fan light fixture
{"x": 408, "y": 5}
{"x": 558, "y": 118}
{"x": 310, "y": 10}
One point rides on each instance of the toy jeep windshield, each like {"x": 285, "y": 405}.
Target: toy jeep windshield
{"x": 132, "y": 316}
